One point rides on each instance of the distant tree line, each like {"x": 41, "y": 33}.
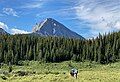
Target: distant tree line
{"x": 103, "y": 49}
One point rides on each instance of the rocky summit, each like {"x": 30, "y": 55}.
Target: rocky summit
{"x": 51, "y": 27}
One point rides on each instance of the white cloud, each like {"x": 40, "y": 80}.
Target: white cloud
{"x": 117, "y": 25}
{"x": 18, "y": 31}
{"x": 100, "y": 15}
{"x": 10, "y": 11}
{"x": 13, "y": 30}
{"x": 33, "y": 4}
{"x": 3, "y": 25}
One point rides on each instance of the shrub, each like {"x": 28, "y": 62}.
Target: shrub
{"x": 4, "y": 77}
{"x": 10, "y": 69}
{"x": 22, "y": 73}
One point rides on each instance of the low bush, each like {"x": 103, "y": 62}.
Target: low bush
{"x": 24, "y": 73}
{"x": 3, "y": 77}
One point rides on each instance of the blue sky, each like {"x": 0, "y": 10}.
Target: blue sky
{"x": 86, "y": 17}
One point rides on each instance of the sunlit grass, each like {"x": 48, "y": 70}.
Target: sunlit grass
{"x": 59, "y": 72}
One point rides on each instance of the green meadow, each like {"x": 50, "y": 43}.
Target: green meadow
{"x": 34, "y": 71}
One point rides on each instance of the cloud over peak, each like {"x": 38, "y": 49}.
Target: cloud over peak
{"x": 18, "y": 31}
{"x": 3, "y": 25}
{"x": 13, "y": 30}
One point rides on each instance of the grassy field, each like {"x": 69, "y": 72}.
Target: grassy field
{"x": 31, "y": 71}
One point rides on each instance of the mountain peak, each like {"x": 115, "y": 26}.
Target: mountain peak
{"x": 49, "y": 19}
{"x": 38, "y": 26}
{"x": 51, "y": 27}
{"x": 2, "y": 31}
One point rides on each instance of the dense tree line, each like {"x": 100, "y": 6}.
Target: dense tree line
{"x": 104, "y": 49}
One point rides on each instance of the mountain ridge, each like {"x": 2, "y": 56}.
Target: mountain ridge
{"x": 3, "y": 32}
{"x": 51, "y": 27}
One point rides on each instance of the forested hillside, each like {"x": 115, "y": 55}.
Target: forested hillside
{"x": 104, "y": 49}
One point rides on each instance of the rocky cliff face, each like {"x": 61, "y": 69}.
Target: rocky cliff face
{"x": 51, "y": 27}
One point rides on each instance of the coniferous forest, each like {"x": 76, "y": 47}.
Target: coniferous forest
{"x": 103, "y": 49}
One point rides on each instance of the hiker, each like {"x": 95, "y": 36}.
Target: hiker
{"x": 74, "y": 73}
